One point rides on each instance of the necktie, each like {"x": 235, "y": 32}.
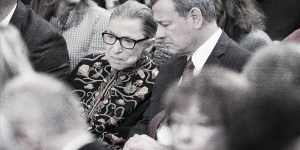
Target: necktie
{"x": 188, "y": 70}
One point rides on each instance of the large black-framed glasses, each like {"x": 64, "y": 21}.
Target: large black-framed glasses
{"x": 125, "y": 42}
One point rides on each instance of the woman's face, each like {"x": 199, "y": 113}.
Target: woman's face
{"x": 191, "y": 130}
{"x": 121, "y": 52}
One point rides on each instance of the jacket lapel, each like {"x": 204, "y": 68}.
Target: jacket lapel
{"x": 20, "y": 16}
{"x": 218, "y": 51}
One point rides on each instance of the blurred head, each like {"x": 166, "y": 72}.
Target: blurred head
{"x": 181, "y": 23}
{"x": 13, "y": 54}
{"x": 274, "y": 66}
{"x": 130, "y": 31}
{"x": 197, "y": 109}
{"x": 42, "y": 112}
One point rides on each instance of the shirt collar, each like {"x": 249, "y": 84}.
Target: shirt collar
{"x": 7, "y": 19}
{"x": 201, "y": 55}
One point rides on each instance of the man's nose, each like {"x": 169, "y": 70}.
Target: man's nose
{"x": 161, "y": 32}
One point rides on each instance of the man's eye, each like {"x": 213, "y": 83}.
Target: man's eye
{"x": 164, "y": 24}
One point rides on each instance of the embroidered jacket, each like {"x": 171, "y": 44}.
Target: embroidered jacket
{"x": 108, "y": 96}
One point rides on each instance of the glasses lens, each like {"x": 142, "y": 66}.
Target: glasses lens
{"x": 109, "y": 38}
{"x": 127, "y": 43}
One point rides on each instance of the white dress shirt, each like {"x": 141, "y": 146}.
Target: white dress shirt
{"x": 201, "y": 55}
{"x": 7, "y": 19}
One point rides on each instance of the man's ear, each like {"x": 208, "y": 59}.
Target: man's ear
{"x": 196, "y": 17}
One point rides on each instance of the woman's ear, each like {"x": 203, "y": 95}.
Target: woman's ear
{"x": 195, "y": 15}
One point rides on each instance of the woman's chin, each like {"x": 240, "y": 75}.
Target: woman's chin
{"x": 117, "y": 66}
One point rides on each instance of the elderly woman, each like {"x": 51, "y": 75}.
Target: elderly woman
{"x": 12, "y": 48}
{"x": 113, "y": 85}
{"x": 81, "y": 23}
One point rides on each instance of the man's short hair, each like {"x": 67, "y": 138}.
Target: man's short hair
{"x": 207, "y": 7}
{"x": 133, "y": 9}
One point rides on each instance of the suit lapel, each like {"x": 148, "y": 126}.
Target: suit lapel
{"x": 20, "y": 16}
{"x": 218, "y": 51}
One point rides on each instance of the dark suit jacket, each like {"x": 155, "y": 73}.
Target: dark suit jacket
{"x": 226, "y": 53}
{"x": 94, "y": 146}
{"x": 47, "y": 49}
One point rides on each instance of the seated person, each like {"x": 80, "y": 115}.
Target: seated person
{"x": 47, "y": 49}
{"x": 113, "y": 85}
{"x": 81, "y": 23}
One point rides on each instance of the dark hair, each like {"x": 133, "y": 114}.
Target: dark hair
{"x": 238, "y": 17}
{"x": 133, "y": 9}
{"x": 207, "y": 7}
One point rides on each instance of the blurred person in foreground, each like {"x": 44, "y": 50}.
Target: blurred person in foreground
{"x": 268, "y": 119}
{"x": 47, "y": 49}
{"x": 81, "y": 23}
{"x": 43, "y": 113}
{"x": 274, "y": 66}
{"x": 114, "y": 87}
{"x": 13, "y": 55}
{"x": 196, "y": 113}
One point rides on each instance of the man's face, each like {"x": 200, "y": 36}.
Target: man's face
{"x": 126, "y": 30}
{"x": 192, "y": 130}
{"x": 174, "y": 31}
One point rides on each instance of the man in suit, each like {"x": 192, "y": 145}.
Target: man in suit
{"x": 47, "y": 49}
{"x": 190, "y": 30}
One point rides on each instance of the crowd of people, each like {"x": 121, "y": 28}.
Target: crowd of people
{"x": 148, "y": 75}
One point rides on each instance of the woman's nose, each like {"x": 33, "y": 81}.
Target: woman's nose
{"x": 116, "y": 48}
